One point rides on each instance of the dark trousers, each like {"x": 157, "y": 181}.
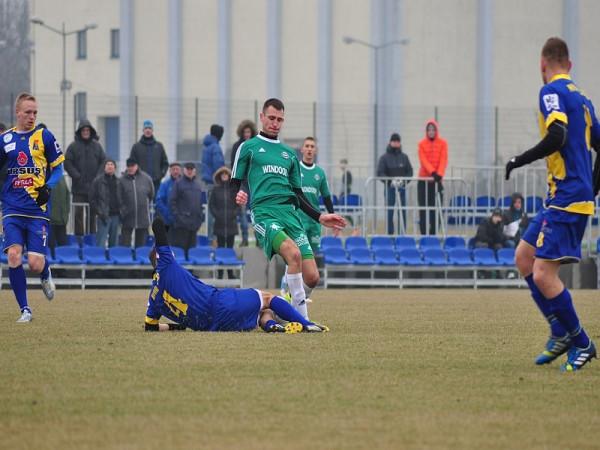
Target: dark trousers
{"x": 390, "y": 202}
{"x": 183, "y": 238}
{"x": 81, "y": 227}
{"x": 225, "y": 241}
{"x": 426, "y": 195}
{"x": 58, "y": 235}
{"x": 141, "y": 234}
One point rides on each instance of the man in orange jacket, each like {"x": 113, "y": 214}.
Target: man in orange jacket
{"x": 433, "y": 154}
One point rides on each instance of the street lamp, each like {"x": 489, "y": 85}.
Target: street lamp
{"x": 402, "y": 41}
{"x": 65, "y": 84}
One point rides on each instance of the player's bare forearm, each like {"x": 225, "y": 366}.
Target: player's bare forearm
{"x": 334, "y": 221}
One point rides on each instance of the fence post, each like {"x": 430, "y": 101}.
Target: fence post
{"x": 256, "y": 113}
{"x": 12, "y": 110}
{"x": 435, "y": 113}
{"x": 314, "y": 120}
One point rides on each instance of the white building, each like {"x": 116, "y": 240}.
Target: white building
{"x": 186, "y": 64}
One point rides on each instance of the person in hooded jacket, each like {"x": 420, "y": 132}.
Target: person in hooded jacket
{"x": 394, "y": 163}
{"x": 212, "y": 160}
{"x": 84, "y": 161}
{"x": 515, "y": 220}
{"x": 225, "y": 210}
{"x": 150, "y": 155}
{"x": 245, "y": 130}
{"x": 433, "y": 155}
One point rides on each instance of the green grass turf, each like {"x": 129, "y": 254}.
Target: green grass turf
{"x": 399, "y": 369}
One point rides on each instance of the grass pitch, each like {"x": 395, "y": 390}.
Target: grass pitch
{"x": 400, "y": 369}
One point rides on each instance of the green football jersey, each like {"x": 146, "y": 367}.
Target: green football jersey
{"x": 271, "y": 169}
{"x": 314, "y": 183}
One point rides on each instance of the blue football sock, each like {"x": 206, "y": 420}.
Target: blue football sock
{"x": 269, "y": 324}
{"x": 45, "y": 273}
{"x": 286, "y": 311}
{"x": 556, "y": 328}
{"x": 562, "y": 306}
{"x": 18, "y": 282}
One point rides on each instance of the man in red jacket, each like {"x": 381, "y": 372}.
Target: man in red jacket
{"x": 433, "y": 154}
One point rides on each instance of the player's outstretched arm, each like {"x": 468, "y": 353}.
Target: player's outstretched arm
{"x": 160, "y": 232}
{"x": 555, "y": 139}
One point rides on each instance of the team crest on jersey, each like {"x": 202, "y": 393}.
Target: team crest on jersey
{"x": 285, "y": 155}
{"x": 7, "y": 138}
{"x": 10, "y": 147}
{"x": 551, "y": 102}
{"x": 22, "y": 159}
{"x": 317, "y": 177}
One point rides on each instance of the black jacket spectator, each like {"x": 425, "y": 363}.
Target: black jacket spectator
{"x": 105, "y": 196}
{"x": 152, "y": 158}
{"x": 84, "y": 159}
{"x": 490, "y": 232}
{"x": 394, "y": 163}
{"x": 244, "y": 125}
{"x": 223, "y": 207}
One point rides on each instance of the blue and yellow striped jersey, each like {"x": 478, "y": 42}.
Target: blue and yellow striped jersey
{"x": 570, "y": 168}
{"x": 178, "y": 295}
{"x": 30, "y": 156}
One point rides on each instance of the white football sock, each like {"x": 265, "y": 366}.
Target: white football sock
{"x": 296, "y": 286}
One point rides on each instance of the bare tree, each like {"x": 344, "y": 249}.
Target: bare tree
{"x": 15, "y": 54}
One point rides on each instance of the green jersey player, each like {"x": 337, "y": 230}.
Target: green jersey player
{"x": 274, "y": 180}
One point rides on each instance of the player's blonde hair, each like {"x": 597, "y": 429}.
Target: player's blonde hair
{"x": 22, "y": 97}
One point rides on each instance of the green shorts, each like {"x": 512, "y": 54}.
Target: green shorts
{"x": 269, "y": 222}
{"x": 313, "y": 233}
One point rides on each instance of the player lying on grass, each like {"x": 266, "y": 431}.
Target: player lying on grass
{"x": 177, "y": 295}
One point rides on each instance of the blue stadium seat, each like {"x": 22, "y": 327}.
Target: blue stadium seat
{"x": 454, "y": 242}
{"x": 224, "y": 255}
{"x": 361, "y": 256}
{"x": 485, "y": 203}
{"x": 429, "y": 242}
{"x": 435, "y": 257}
{"x": 73, "y": 240}
{"x": 533, "y": 204}
{"x": 89, "y": 240}
{"x": 471, "y": 243}
{"x": 378, "y": 242}
{"x": 67, "y": 254}
{"x": 141, "y": 254}
{"x": 460, "y": 257}
{"x": 356, "y": 242}
{"x": 504, "y": 202}
{"x": 405, "y": 242}
{"x": 484, "y": 257}
{"x": 179, "y": 255}
{"x": 201, "y": 256}
{"x": 335, "y": 200}
{"x": 95, "y": 255}
{"x": 331, "y": 242}
{"x": 149, "y": 241}
{"x": 598, "y": 245}
{"x": 202, "y": 240}
{"x": 386, "y": 257}
{"x": 506, "y": 256}
{"x": 334, "y": 255}
{"x": 121, "y": 255}
{"x": 410, "y": 257}
{"x": 459, "y": 210}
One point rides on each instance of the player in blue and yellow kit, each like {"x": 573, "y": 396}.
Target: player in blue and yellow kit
{"x": 34, "y": 165}
{"x": 570, "y": 130}
{"x": 177, "y": 295}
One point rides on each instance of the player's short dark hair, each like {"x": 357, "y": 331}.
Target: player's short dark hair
{"x": 275, "y": 103}
{"x": 309, "y": 138}
{"x": 555, "y": 50}
{"x": 23, "y": 96}
{"x": 175, "y": 164}
{"x": 110, "y": 161}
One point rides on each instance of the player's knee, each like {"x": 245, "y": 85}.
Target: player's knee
{"x": 523, "y": 260}
{"x": 36, "y": 264}
{"x": 540, "y": 277}
{"x": 291, "y": 254}
{"x": 14, "y": 256}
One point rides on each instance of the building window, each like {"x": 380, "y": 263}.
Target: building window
{"x": 114, "y": 43}
{"x": 80, "y": 106}
{"x": 82, "y": 44}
